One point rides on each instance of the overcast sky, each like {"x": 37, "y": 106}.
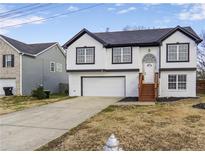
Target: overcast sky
{"x": 96, "y": 19}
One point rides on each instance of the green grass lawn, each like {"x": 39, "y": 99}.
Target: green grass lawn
{"x": 15, "y": 103}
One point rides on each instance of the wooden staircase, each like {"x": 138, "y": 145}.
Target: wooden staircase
{"x": 148, "y": 92}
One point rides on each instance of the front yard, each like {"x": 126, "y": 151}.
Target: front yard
{"x": 173, "y": 126}
{"x": 16, "y": 103}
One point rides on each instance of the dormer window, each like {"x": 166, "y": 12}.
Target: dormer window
{"x": 122, "y": 55}
{"x": 178, "y": 52}
{"x": 85, "y": 55}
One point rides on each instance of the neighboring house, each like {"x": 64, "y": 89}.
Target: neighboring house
{"x": 26, "y": 66}
{"x": 141, "y": 63}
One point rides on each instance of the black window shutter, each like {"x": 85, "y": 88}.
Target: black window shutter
{"x": 12, "y": 60}
{"x": 4, "y": 60}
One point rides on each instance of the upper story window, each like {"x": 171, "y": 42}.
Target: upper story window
{"x": 8, "y": 60}
{"x": 122, "y": 55}
{"x": 52, "y": 66}
{"x": 177, "y": 81}
{"x": 178, "y": 52}
{"x": 85, "y": 55}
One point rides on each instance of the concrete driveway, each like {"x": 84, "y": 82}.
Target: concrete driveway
{"x": 31, "y": 128}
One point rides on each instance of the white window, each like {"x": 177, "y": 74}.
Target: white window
{"x": 85, "y": 55}
{"x": 178, "y": 52}
{"x": 52, "y": 66}
{"x": 181, "y": 81}
{"x": 177, "y": 81}
{"x": 8, "y": 60}
{"x": 122, "y": 55}
{"x": 172, "y": 81}
{"x": 59, "y": 67}
{"x": 172, "y": 52}
{"x": 183, "y": 52}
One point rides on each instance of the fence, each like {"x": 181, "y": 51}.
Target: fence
{"x": 200, "y": 86}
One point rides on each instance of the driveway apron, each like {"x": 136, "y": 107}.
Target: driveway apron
{"x": 31, "y": 128}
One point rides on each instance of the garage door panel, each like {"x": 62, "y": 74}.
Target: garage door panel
{"x": 103, "y": 86}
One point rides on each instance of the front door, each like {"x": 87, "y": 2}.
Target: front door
{"x": 149, "y": 72}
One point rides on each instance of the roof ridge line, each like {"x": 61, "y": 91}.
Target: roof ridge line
{"x": 131, "y": 30}
{"x": 42, "y": 43}
{"x": 13, "y": 39}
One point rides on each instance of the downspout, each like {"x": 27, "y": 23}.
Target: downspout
{"x": 20, "y": 76}
{"x": 159, "y": 89}
{"x": 159, "y": 59}
{"x": 43, "y": 73}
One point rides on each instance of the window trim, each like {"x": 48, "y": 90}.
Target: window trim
{"x": 177, "y": 89}
{"x": 76, "y": 62}
{"x": 5, "y": 65}
{"x": 167, "y": 60}
{"x": 54, "y": 66}
{"x": 121, "y": 62}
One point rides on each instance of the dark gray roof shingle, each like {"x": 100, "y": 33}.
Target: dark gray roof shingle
{"x": 38, "y": 47}
{"x": 31, "y": 49}
{"x": 135, "y": 37}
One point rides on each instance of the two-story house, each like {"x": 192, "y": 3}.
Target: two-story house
{"x": 26, "y": 66}
{"x": 142, "y": 63}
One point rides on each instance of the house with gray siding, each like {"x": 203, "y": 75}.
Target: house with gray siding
{"x": 26, "y": 66}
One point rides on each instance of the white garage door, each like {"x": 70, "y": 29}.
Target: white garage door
{"x": 103, "y": 86}
{"x": 7, "y": 83}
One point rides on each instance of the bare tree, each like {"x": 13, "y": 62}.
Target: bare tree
{"x": 201, "y": 59}
{"x": 128, "y": 28}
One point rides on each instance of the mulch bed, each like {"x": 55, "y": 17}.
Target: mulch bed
{"x": 129, "y": 99}
{"x": 172, "y": 99}
{"x": 161, "y": 99}
{"x": 199, "y": 106}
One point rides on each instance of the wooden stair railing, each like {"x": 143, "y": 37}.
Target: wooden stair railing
{"x": 156, "y": 84}
{"x": 140, "y": 84}
{"x": 147, "y": 91}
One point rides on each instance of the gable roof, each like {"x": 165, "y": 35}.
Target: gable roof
{"x": 82, "y": 32}
{"x": 135, "y": 37}
{"x": 28, "y": 49}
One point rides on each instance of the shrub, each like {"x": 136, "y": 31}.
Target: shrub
{"x": 39, "y": 93}
{"x": 66, "y": 92}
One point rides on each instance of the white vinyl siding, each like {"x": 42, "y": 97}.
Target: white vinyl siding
{"x": 122, "y": 55}
{"x": 177, "y": 81}
{"x": 85, "y": 55}
{"x": 178, "y": 52}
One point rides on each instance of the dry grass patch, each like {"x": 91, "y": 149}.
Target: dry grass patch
{"x": 16, "y": 103}
{"x": 174, "y": 126}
